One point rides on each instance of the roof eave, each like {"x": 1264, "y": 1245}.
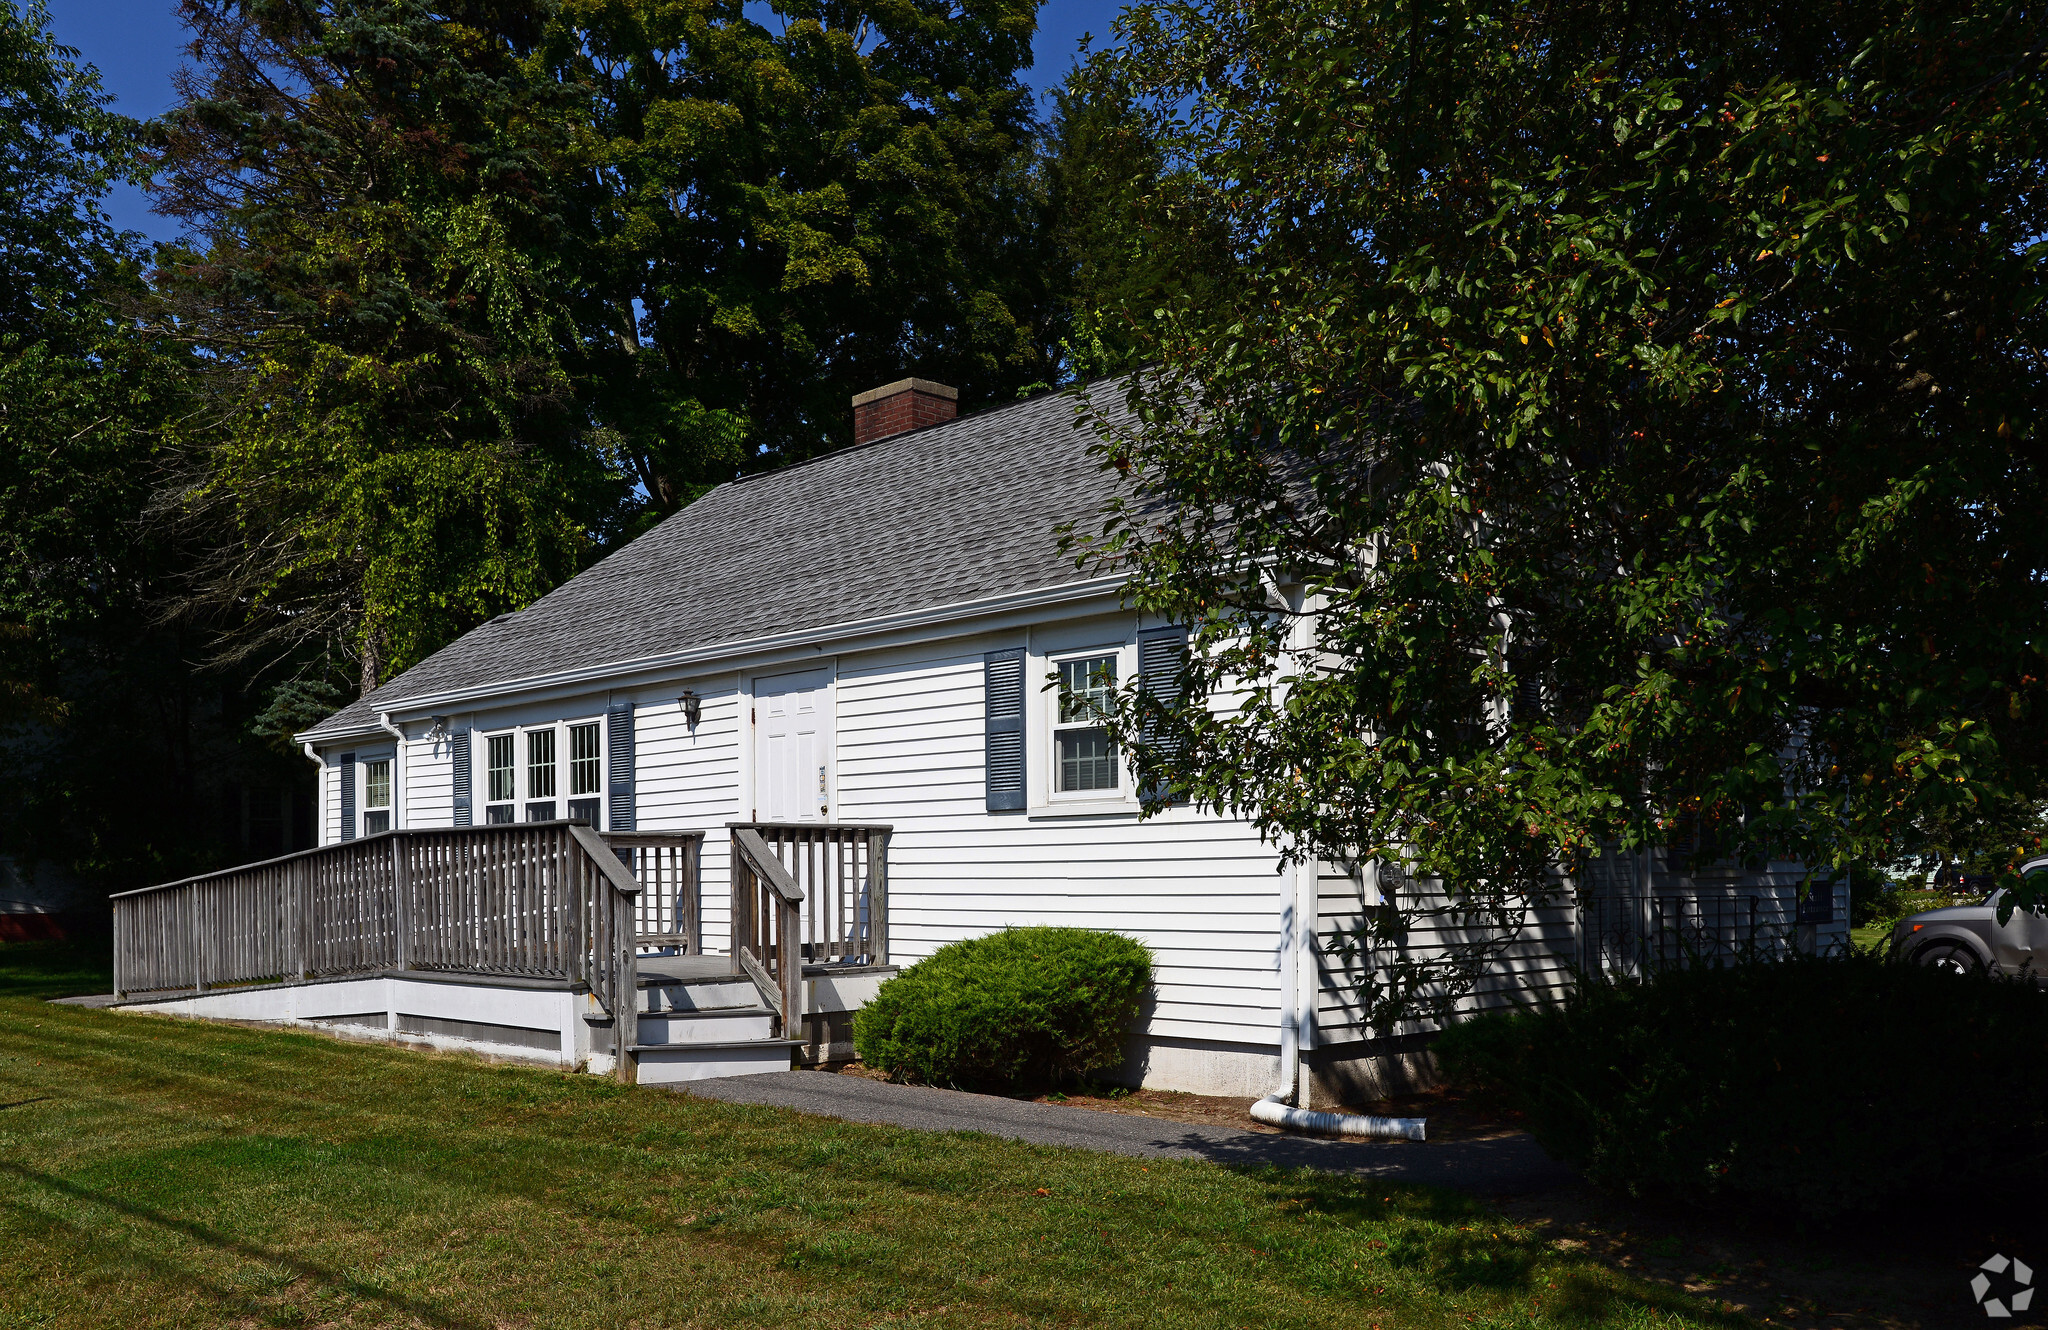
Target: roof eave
{"x": 648, "y": 668}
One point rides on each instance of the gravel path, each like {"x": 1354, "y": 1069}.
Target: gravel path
{"x": 1509, "y": 1166}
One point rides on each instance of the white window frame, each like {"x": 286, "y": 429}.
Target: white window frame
{"x": 1043, "y": 754}
{"x": 482, "y": 777}
{"x": 364, "y": 761}
{"x": 570, "y": 761}
{"x": 561, "y": 731}
{"x": 1060, "y": 725}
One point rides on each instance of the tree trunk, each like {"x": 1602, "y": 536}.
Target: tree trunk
{"x": 373, "y": 658}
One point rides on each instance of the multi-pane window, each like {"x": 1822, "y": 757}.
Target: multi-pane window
{"x": 540, "y": 764}
{"x": 524, "y": 780}
{"x": 540, "y": 775}
{"x": 501, "y": 769}
{"x": 499, "y": 778}
{"x": 585, "y": 774}
{"x": 1083, "y": 756}
{"x": 376, "y": 796}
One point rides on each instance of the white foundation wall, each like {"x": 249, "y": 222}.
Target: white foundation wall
{"x": 533, "y": 1025}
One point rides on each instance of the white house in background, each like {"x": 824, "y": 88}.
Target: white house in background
{"x": 867, "y": 638}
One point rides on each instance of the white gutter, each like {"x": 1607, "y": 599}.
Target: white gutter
{"x": 398, "y": 799}
{"x": 1298, "y": 932}
{"x": 319, "y": 793}
{"x": 622, "y": 673}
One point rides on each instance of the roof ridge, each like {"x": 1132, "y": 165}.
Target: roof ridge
{"x": 904, "y": 434}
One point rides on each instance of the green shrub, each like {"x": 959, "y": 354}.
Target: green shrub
{"x": 1822, "y": 1086}
{"x": 1881, "y": 903}
{"x": 1023, "y": 1008}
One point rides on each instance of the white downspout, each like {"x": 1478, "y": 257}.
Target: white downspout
{"x": 319, "y": 792}
{"x": 1297, "y": 999}
{"x": 398, "y": 791}
{"x": 1298, "y": 984}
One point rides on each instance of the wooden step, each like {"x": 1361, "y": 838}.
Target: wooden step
{"x": 706, "y": 1027}
{"x": 700, "y": 997}
{"x": 676, "y": 1064}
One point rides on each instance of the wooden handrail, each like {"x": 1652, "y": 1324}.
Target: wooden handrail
{"x": 764, "y": 863}
{"x": 841, "y": 870}
{"x": 669, "y": 866}
{"x": 614, "y": 871}
{"x": 763, "y": 984}
{"x": 629, "y": 838}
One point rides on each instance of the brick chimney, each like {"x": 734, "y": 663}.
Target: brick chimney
{"x": 902, "y": 405}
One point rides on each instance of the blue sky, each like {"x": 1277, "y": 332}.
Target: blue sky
{"x": 137, "y": 43}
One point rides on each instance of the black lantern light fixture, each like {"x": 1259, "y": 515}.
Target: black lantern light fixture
{"x": 693, "y": 707}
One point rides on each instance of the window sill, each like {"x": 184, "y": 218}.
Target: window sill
{"x": 1083, "y": 808}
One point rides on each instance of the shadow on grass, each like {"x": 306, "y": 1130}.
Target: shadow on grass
{"x": 200, "y": 1233}
{"x": 57, "y": 969}
{"x": 1457, "y": 1243}
{"x": 1508, "y": 1166}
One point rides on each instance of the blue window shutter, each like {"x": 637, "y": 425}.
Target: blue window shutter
{"x": 619, "y": 758}
{"x": 1161, "y": 652}
{"x": 1003, "y": 753}
{"x": 348, "y": 796}
{"x": 458, "y": 754}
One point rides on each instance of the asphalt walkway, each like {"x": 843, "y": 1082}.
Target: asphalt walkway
{"x": 1510, "y": 1166}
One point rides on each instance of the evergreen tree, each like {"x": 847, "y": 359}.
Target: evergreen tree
{"x": 788, "y": 212}
{"x": 1132, "y": 237}
{"x": 120, "y": 759}
{"x": 392, "y": 449}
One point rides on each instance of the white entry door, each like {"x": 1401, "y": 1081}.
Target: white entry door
{"x": 793, "y": 747}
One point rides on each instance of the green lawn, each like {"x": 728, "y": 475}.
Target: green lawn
{"x": 158, "y": 1173}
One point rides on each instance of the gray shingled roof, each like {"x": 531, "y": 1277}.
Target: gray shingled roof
{"x": 944, "y": 514}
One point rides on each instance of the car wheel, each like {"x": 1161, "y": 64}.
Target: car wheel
{"x": 1951, "y": 956}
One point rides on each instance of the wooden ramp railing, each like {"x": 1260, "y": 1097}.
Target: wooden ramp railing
{"x": 669, "y": 866}
{"x": 806, "y": 892}
{"x": 541, "y": 899}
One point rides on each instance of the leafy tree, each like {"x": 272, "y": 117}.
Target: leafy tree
{"x": 1131, "y": 235}
{"x": 787, "y": 212}
{"x": 1638, "y": 405}
{"x": 392, "y": 450}
{"x": 115, "y": 752}
{"x": 478, "y": 284}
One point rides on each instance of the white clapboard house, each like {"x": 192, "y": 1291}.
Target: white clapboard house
{"x": 700, "y": 800}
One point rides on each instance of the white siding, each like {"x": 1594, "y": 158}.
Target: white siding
{"x": 429, "y": 781}
{"x": 1609, "y": 919}
{"x": 689, "y": 780}
{"x": 1202, "y": 892}
{"x": 330, "y": 796}
{"x": 1531, "y": 968}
